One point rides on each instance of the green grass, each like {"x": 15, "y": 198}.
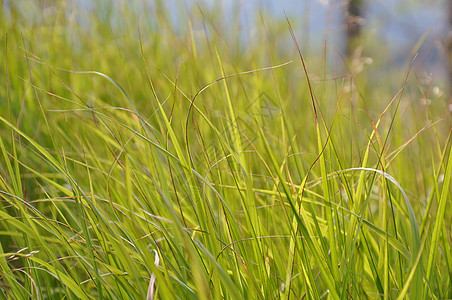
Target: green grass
{"x": 139, "y": 158}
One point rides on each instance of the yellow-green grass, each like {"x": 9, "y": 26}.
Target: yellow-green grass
{"x": 142, "y": 157}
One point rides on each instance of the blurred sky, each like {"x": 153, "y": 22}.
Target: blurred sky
{"x": 397, "y": 23}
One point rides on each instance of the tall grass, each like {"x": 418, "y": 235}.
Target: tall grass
{"x": 143, "y": 157}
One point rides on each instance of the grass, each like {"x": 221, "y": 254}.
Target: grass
{"x": 145, "y": 158}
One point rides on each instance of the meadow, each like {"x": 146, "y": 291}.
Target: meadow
{"x": 146, "y": 158}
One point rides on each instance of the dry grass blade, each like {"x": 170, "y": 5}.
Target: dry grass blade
{"x": 151, "y": 288}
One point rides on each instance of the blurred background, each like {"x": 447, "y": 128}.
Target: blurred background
{"x": 390, "y": 30}
{"x": 354, "y": 34}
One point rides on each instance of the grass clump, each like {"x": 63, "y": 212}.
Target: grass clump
{"x": 142, "y": 157}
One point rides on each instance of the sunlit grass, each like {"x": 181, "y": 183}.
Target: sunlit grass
{"x": 143, "y": 158}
